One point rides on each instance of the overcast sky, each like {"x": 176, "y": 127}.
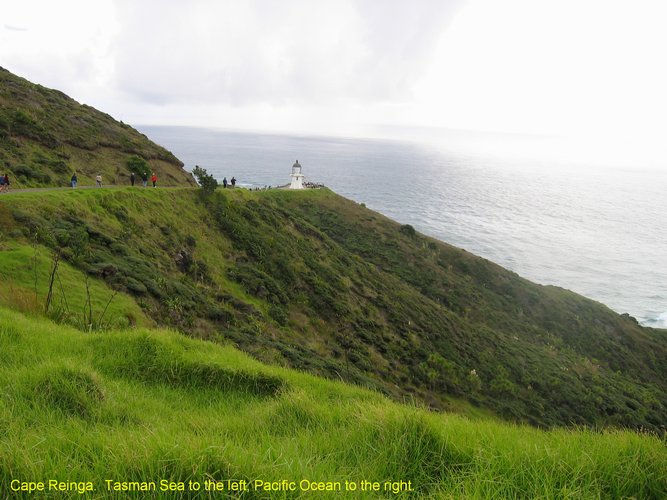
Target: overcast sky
{"x": 348, "y": 66}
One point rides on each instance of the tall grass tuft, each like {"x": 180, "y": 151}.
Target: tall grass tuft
{"x": 150, "y": 405}
{"x": 74, "y": 392}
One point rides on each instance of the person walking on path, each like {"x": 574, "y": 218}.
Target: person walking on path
{"x": 144, "y": 178}
{"x": 224, "y": 182}
{"x": 2, "y": 183}
{"x": 233, "y": 181}
{"x": 132, "y": 178}
{"x": 98, "y": 179}
{"x": 74, "y": 180}
{"x": 154, "y": 179}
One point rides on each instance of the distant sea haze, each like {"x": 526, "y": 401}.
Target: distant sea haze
{"x": 599, "y": 231}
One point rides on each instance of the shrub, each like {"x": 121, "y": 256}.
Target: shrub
{"x": 258, "y": 283}
{"x": 206, "y": 181}
{"x": 408, "y": 230}
{"x": 135, "y": 287}
{"x": 278, "y": 314}
{"x": 137, "y": 164}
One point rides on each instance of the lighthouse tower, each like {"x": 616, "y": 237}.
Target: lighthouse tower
{"x": 297, "y": 176}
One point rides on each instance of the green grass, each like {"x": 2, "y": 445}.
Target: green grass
{"x": 149, "y": 405}
{"x": 25, "y": 276}
{"x": 316, "y": 282}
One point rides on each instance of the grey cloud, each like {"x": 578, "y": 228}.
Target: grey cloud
{"x": 402, "y": 36}
{"x": 294, "y": 51}
{"x": 14, "y": 28}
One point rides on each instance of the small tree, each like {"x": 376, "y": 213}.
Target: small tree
{"x": 206, "y": 181}
{"x": 137, "y": 164}
{"x": 408, "y": 230}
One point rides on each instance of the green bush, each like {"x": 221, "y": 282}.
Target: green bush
{"x": 408, "y": 230}
{"x": 258, "y": 283}
{"x": 207, "y": 182}
{"x": 137, "y": 164}
{"x": 278, "y": 314}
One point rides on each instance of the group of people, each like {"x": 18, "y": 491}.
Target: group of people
{"x": 4, "y": 183}
{"x": 144, "y": 178}
{"x": 133, "y": 177}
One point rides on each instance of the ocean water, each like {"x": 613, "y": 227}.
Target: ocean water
{"x": 600, "y": 231}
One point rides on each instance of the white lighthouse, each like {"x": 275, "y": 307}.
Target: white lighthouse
{"x": 297, "y": 176}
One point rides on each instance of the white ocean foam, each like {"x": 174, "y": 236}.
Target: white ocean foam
{"x": 658, "y": 321}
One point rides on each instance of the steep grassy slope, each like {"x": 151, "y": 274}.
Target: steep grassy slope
{"x": 314, "y": 281}
{"x": 100, "y": 411}
{"x": 76, "y": 299}
{"x": 45, "y": 136}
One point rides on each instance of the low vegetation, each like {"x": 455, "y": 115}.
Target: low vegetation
{"x": 313, "y": 281}
{"x": 108, "y": 410}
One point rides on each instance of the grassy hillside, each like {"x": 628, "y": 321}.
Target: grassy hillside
{"x": 45, "y": 136}
{"x": 102, "y": 410}
{"x": 313, "y": 281}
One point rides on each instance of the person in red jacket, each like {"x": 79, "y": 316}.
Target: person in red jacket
{"x": 154, "y": 179}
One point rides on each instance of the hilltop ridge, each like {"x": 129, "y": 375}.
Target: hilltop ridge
{"x": 45, "y": 136}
